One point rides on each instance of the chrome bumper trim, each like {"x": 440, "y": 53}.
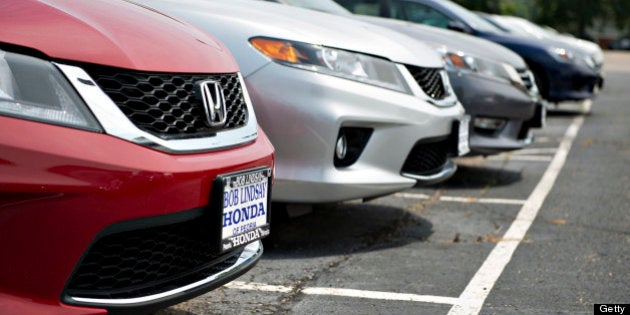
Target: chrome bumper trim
{"x": 447, "y": 171}
{"x": 250, "y": 254}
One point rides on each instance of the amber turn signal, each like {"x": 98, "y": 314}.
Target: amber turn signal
{"x": 277, "y": 49}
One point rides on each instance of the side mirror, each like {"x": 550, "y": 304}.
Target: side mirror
{"x": 458, "y": 27}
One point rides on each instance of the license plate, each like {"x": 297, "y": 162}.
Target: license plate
{"x": 245, "y": 208}
{"x": 463, "y": 146}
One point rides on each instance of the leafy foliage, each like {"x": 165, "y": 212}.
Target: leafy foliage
{"x": 573, "y": 16}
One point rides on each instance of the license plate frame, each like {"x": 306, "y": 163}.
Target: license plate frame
{"x": 241, "y": 203}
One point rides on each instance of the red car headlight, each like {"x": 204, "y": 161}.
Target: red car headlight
{"x": 32, "y": 88}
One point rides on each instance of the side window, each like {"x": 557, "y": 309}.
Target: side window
{"x": 419, "y": 13}
{"x": 364, "y": 7}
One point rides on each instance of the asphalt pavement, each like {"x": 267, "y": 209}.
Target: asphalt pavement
{"x": 544, "y": 230}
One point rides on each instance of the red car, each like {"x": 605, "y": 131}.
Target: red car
{"x": 133, "y": 173}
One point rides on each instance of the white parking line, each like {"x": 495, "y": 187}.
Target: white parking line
{"x": 377, "y": 295}
{"x": 514, "y": 157}
{"x": 529, "y": 151}
{"x": 363, "y": 294}
{"x": 472, "y": 299}
{"x": 257, "y": 286}
{"x": 474, "y": 295}
{"x": 463, "y": 199}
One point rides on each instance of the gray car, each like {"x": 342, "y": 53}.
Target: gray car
{"x": 352, "y": 114}
{"x": 492, "y": 82}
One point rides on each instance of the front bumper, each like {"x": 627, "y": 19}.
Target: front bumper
{"x": 302, "y": 112}
{"x": 244, "y": 261}
{"x": 571, "y": 82}
{"x": 63, "y": 187}
{"x": 489, "y": 98}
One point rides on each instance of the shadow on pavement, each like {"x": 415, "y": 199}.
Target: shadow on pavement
{"x": 476, "y": 177}
{"x": 344, "y": 228}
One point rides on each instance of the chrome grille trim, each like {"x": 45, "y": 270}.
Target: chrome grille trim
{"x": 527, "y": 78}
{"x": 430, "y": 80}
{"x": 116, "y": 123}
{"x": 165, "y": 104}
{"x": 449, "y": 98}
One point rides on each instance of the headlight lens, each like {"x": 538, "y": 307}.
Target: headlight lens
{"x": 561, "y": 54}
{"x": 463, "y": 62}
{"x": 335, "y": 62}
{"x": 34, "y": 89}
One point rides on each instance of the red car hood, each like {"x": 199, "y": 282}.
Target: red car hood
{"x": 113, "y": 33}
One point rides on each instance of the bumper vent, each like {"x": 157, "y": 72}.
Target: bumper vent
{"x": 164, "y": 104}
{"x": 430, "y": 80}
{"x": 146, "y": 261}
{"x": 428, "y": 157}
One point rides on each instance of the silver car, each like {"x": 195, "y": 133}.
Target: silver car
{"x": 352, "y": 114}
{"x": 493, "y": 83}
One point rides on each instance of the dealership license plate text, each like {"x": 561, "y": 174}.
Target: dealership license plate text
{"x": 245, "y": 209}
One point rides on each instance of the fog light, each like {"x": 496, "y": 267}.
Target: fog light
{"x": 350, "y": 144}
{"x": 493, "y": 124}
{"x": 342, "y": 147}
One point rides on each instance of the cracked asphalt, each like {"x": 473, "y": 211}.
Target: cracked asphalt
{"x": 431, "y": 241}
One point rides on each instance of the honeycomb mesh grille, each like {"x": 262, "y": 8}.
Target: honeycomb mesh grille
{"x": 430, "y": 80}
{"x": 148, "y": 261}
{"x": 164, "y": 104}
{"x": 427, "y": 158}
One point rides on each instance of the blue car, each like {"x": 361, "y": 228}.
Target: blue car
{"x": 561, "y": 71}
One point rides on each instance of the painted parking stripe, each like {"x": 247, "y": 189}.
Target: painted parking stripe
{"x": 511, "y": 157}
{"x": 535, "y": 151}
{"x": 463, "y": 199}
{"x": 477, "y": 290}
{"x": 473, "y": 297}
{"x": 352, "y": 293}
{"x": 257, "y": 286}
{"x": 377, "y": 295}
{"x": 554, "y": 140}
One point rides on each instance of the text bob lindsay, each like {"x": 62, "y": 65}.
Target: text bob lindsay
{"x": 244, "y": 203}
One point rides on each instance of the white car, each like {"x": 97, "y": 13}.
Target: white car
{"x": 352, "y": 109}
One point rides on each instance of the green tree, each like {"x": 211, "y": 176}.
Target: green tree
{"x": 489, "y": 6}
{"x": 620, "y": 11}
{"x": 573, "y": 16}
{"x": 522, "y": 8}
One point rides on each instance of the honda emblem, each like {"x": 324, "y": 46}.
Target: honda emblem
{"x": 211, "y": 95}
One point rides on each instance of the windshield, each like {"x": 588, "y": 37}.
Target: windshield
{"x": 329, "y": 6}
{"x": 471, "y": 18}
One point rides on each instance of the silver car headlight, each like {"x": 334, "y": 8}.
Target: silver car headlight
{"x": 34, "y": 89}
{"x": 336, "y": 62}
{"x": 463, "y": 62}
